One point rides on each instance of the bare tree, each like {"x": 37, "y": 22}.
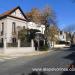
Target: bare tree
{"x": 34, "y": 15}
{"x": 46, "y": 17}
{"x": 49, "y": 20}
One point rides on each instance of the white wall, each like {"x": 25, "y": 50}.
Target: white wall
{"x": 19, "y": 50}
{"x": 1, "y": 21}
{"x": 17, "y": 13}
{"x": 32, "y": 25}
{"x": 59, "y": 46}
{"x": 5, "y": 26}
{"x": 9, "y": 27}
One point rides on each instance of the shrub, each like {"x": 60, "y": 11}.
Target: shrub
{"x": 25, "y": 43}
{"x": 44, "y": 48}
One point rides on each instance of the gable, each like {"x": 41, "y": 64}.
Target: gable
{"x": 17, "y": 13}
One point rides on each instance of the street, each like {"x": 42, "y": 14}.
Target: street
{"x": 60, "y": 58}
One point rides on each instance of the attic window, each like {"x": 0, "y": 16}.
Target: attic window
{"x": 20, "y": 12}
{"x": 15, "y": 12}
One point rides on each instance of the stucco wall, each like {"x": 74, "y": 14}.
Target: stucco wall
{"x": 9, "y": 27}
{"x": 17, "y": 13}
{"x": 59, "y": 46}
{"x": 19, "y": 50}
{"x": 5, "y": 24}
{"x": 32, "y": 25}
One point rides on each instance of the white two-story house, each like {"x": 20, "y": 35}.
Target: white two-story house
{"x": 11, "y": 21}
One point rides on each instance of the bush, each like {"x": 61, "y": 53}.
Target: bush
{"x": 44, "y": 48}
{"x": 25, "y": 43}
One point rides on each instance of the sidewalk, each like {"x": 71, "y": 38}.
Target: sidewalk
{"x": 17, "y": 55}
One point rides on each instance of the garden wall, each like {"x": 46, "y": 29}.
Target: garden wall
{"x": 14, "y": 50}
{"x": 59, "y": 46}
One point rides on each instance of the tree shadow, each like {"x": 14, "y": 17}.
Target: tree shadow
{"x": 71, "y": 66}
{"x": 37, "y": 73}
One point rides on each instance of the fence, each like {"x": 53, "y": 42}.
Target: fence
{"x": 18, "y": 49}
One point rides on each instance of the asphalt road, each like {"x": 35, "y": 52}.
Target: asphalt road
{"x": 60, "y": 58}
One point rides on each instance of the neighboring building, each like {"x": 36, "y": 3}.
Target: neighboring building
{"x": 73, "y": 38}
{"x": 11, "y": 21}
{"x": 62, "y": 36}
{"x": 68, "y": 37}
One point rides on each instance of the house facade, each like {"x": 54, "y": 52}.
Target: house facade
{"x": 62, "y": 36}
{"x": 11, "y": 22}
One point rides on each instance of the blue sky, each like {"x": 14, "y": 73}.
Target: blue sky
{"x": 65, "y": 9}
